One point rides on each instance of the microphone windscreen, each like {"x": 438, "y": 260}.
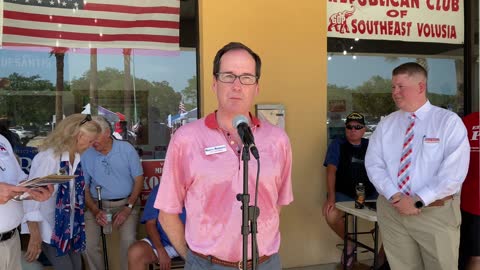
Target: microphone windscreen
{"x": 237, "y": 120}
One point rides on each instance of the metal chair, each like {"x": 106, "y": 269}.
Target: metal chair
{"x": 177, "y": 263}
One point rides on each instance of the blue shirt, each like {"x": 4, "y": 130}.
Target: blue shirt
{"x": 114, "y": 172}
{"x": 151, "y": 212}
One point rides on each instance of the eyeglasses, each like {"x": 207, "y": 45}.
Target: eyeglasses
{"x": 63, "y": 170}
{"x": 230, "y": 78}
{"x": 357, "y": 127}
{"x": 87, "y": 118}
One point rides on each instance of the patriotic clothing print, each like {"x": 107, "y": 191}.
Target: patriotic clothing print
{"x": 61, "y": 234}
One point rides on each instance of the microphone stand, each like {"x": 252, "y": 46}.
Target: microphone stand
{"x": 249, "y": 216}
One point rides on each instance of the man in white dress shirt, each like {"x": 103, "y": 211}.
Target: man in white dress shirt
{"x": 417, "y": 159}
{"x": 11, "y": 211}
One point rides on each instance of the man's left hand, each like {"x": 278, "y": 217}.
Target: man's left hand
{"x": 120, "y": 217}
{"x": 41, "y": 193}
{"x": 406, "y": 206}
{"x": 164, "y": 260}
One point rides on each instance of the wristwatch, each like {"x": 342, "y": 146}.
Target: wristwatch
{"x": 419, "y": 204}
{"x": 129, "y": 205}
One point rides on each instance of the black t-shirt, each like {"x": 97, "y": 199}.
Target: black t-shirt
{"x": 351, "y": 168}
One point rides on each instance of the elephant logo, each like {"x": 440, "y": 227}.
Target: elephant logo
{"x": 338, "y": 20}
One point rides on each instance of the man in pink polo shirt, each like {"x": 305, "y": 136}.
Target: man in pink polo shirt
{"x": 204, "y": 172}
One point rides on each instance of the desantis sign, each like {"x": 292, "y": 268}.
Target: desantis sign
{"x": 26, "y": 155}
{"x": 439, "y": 21}
{"x": 152, "y": 172}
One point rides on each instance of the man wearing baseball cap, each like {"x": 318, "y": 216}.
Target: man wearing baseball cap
{"x": 345, "y": 168}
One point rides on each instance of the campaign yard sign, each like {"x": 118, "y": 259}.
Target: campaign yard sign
{"x": 152, "y": 172}
{"x": 26, "y": 155}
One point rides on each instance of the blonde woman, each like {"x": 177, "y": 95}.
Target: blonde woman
{"x": 57, "y": 225}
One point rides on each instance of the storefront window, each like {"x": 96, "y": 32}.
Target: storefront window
{"x": 144, "y": 93}
{"x": 362, "y": 82}
{"x": 368, "y": 39}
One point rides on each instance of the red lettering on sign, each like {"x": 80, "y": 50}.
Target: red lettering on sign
{"x": 436, "y": 30}
{"x": 445, "y": 5}
{"x": 383, "y": 3}
{"x": 152, "y": 173}
{"x": 391, "y": 28}
{"x": 475, "y": 135}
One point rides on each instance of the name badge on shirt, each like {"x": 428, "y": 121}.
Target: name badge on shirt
{"x": 431, "y": 140}
{"x": 3, "y": 148}
{"x": 215, "y": 150}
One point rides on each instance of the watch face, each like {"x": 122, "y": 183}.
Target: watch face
{"x": 419, "y": 204}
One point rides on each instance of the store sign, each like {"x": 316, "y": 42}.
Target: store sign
{"x": 25, "y": 155}
{"x": 152, "y": 172}
{"x": 439, "y": 21}
{"x": 337, "y": 105}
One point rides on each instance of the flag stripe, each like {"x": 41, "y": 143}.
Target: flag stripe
{"x": 151, "y": 24}
{"x": 55, "y": 20}
{"x": 87, "y": 36}
{"x": 99, "y": 15}
{"x": 15, "y": 40}
{"x": 88, "y": 29}
{"x": 130, "y": 9}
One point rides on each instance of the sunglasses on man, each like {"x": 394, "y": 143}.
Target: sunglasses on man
{"x": 357, "y": 127}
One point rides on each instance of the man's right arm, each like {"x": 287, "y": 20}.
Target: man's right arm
{"x": 331, "y": 177}
{"x": 173, "y": 226}
{"x": 93, "y": 207}
{"x": 154, "y": 235}
{"x": 377, "y": 168}
{"x": 332, "y": 158}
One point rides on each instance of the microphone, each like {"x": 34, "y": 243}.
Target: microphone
{"x": 240, "y": 122}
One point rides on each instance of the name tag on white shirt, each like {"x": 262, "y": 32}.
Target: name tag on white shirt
{"x": 431, "y": 140}
{"x": 215, "y": 150}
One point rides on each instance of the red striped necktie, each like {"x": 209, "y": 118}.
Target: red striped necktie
{"x": 406, "y": 158}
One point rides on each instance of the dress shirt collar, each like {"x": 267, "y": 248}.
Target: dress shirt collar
{"x": 421, "y": 113}
{"x": 66, "y": 157}
{"x": 211, "y": 120}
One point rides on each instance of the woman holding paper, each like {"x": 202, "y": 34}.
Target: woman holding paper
{"x": 57, "y": 225}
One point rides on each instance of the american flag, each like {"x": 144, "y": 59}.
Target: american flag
{"x": 181, "y": 107}
{"x": 145, "y": 24}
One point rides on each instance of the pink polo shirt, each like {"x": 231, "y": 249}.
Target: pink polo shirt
{"x": 208, "y": 186}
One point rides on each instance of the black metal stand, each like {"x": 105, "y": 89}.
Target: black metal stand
{"x": 104, "y": 241}
{"x": 249, "y": 216}
{"x": 354, "y": 238}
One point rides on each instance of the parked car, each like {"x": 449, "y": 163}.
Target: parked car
{"x": 372, "y": 127}
{"x": 22, "y": 133}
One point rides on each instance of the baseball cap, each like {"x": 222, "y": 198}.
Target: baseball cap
{"x": 354, "y": 116}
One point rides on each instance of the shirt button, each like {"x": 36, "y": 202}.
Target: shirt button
{"x": 232, "y": 142}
